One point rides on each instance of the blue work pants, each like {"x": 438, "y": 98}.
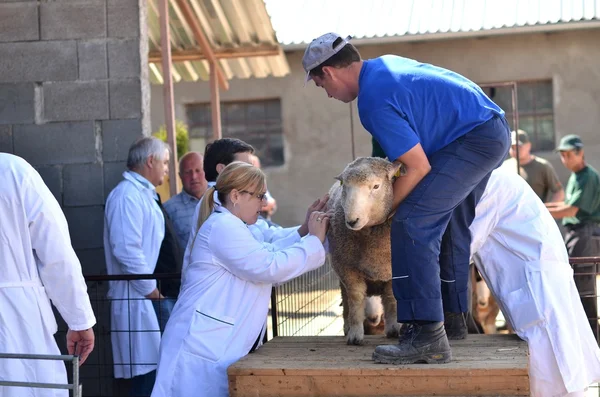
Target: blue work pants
{"x": 430, "y": 237}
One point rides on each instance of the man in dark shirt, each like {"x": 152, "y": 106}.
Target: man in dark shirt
{"x": 580, "y": 214}
{"x": 538, "y": 172}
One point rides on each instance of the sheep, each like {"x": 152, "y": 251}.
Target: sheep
{"x": 359, "y": 240}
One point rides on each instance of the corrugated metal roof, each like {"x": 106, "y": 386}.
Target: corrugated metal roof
{"x": 229, "y": 26}
{"x": 300, "y": 21}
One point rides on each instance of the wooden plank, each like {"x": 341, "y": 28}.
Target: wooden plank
{"x": 325, "y": 366}
{"x": 203, "y": 42}
{"x": 261, "y": 50}
{"x": 215, "y": 102}
{"x": 380, "y": 386}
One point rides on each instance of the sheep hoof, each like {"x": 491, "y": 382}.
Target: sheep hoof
{"x": 393, "y": 331}
{"x": 355, "y": 336}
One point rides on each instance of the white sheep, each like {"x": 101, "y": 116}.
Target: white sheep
{"x": 359, "y": 239}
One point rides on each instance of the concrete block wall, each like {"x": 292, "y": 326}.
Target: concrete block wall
{"x": 74, "y": 95}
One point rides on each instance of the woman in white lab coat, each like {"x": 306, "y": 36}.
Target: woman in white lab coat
{"x": 520, "y": 253}
{"x": 226, "y": 286}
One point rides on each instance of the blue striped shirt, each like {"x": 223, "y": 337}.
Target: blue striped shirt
{"x": 181, "y": 209}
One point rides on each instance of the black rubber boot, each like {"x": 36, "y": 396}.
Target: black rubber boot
{"x": 455, "y": 325}
{"x": 417, "y": 344}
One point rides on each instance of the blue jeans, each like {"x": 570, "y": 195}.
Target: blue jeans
{"x": 430, "y": 236}
{"x": 163, "y": 309}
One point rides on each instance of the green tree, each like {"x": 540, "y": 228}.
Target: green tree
{"x": 181, "y": 137}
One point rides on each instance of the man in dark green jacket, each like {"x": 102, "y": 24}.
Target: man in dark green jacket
{"x": 580, "y": 214}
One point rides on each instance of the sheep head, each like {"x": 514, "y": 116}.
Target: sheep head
{"x": 367, "y": 192}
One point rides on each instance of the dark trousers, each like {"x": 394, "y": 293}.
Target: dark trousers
{"x": 579, "y": 243}
{"x": 430, "y": 236}
{"x": 142, "y": 385}
{"x": 163, "y": 309}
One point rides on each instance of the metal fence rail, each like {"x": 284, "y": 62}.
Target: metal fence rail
{"x": 76, "y": 386}
{"x": 305, "y": 305}
{"x": 586, "y": 272}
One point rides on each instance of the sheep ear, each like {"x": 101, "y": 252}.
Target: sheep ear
{"x": 396, "y": 170}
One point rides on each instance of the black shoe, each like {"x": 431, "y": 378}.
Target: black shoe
{"x": 417, "y": 344}
{"x": 455, "y": 325}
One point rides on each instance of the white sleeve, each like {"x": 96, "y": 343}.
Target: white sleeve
{"x": 58, "y": 266}
{"x": 271, "y": 234}
{"x": 125, "y": 221}
{"x": 251, "y": 260}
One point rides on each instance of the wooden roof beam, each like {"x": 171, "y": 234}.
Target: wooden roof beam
{"x": 230, "y": 53}
{"x": 205, "y": 46}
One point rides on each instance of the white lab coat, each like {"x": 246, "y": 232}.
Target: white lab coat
{"x": 38, "y": 264}
{"x": 134, "y": 228}
{"x": 261, "y": 230}
{"x": 223, "y": 304}
{"x": 520, "y": 253}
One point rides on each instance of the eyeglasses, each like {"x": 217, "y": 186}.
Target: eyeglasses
{"x": 260, "y": 196}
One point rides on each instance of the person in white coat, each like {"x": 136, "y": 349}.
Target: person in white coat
{"x": 38, "y": 266}
{"x": 518, "y": 249}
{"x": 226, "y": 286}
{"x": 134, "y": 228}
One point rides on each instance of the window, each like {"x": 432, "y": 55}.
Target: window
{"x": 536, "y": 112}
{"x": 255, "y": 122}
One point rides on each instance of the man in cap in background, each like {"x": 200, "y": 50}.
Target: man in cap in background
{"x": 580, "y": 214}
{"x": 538, "y": 172}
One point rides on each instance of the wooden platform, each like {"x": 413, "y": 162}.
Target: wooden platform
{"x": 483, "y": 365}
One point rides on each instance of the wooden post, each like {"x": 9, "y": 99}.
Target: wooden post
{"x": 203, "y": 42}
{"x": 165, "y": 45}
{"x": 215, "y": 103}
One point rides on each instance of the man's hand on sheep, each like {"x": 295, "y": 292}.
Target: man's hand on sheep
{"x": 318, "y": 205}
{"x": 317, "y": 224}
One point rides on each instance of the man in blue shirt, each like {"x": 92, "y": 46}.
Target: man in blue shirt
{"x": 450, "y": 136}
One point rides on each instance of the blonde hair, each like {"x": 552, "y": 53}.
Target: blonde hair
{"x": 237, "y": 175}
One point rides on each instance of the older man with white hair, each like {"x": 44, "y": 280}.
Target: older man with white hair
{"x": 134, "y": 228}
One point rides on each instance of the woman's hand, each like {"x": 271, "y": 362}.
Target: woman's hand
{"x": 317, "y": 224}
{"x": 155, "y": 295}
{"x": 318, "y": 205}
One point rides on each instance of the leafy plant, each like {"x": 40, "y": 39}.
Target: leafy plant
{"x": 181, "y": 137}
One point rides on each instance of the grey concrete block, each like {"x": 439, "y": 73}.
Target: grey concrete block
{"x": 92, "y": 60}
{"x": 86, "y": 225}
{"x": 113, "y": 174}
{"x": 125, "y": 99}
{"x": 73, "y": 20}
{"x": 56, "y": 143}
{"x": 83, "y": 185}
{"x": 124, "y": 59}
{"x": 6, "y": 139}
{"x": 38, "y": 61}
{"x": 52, "y": 176}
{"x": 66, "y": 101}
{"x": 17, "y": 103}
{"x": 124, "y": 18}
{"x": 92, "y": 263}
{"x": 117, "y": 137}
{"x": 19, "y": 22}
